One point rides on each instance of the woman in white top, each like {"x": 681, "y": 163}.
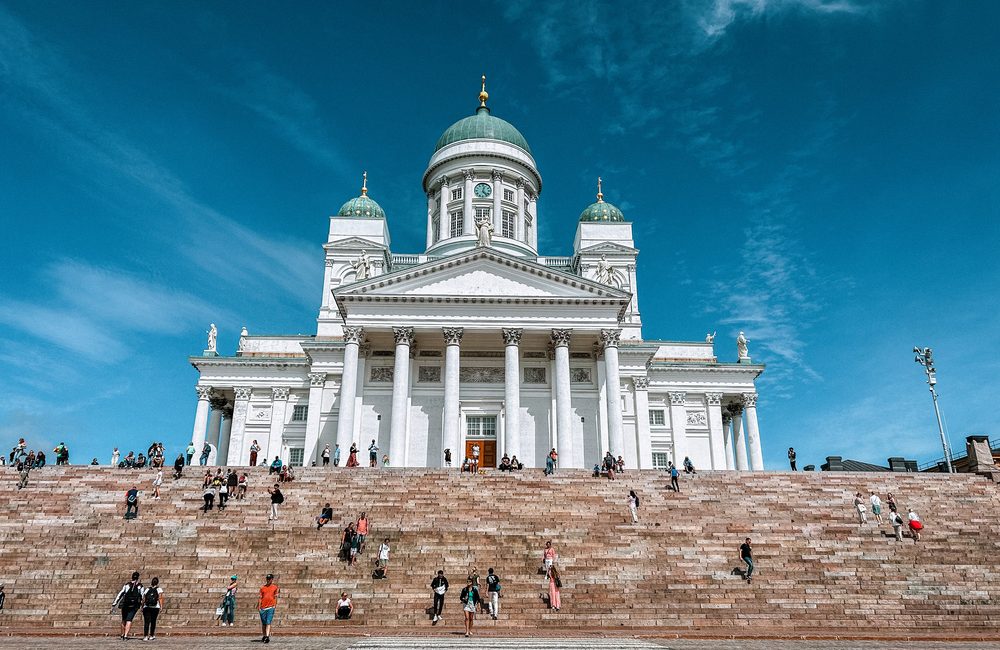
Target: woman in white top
{"x": 876, "y": 507}
{"x": 633, "y": 506}
{"x": 859, "y": 505}
{"x": 344, "y": 607}
{"x": 915, "y": 525}
{"x": 157, "y": 482}
{"x": 152, "y": 603}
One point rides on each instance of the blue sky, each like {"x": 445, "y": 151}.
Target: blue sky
{"x": 822, "y": 174}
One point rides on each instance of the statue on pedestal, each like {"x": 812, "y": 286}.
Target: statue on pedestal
{"x": 484, "y": 231}
{"x": 243, "y": 339}
{"x": 741, "y": 346}
{"x": 213, "y": 335}
{"x": 710, "y": 338}
{"x": 362, "y": 266}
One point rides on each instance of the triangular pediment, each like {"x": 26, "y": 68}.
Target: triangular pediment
{"x": 609, "y": 248}
{"x": 483, "y": 273}
{"x": 354, "y": 243}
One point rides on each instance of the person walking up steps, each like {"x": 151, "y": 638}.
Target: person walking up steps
{"x": 876, "y": 507}
{"x": 897, "y": 525}
{"x": 746, "y": 554}
{"x": 674, "y": 477}
{"x": 128, "y": 600}
{"x": 493, "y": 589}
{"x": 267, "y": 602}
{"x": 152, "y": 603}
{"x": 633, "y": 506}
{"x": 859, "y": 506}
{"x": 439, "y": 586}
{"x": 915, "y": 524}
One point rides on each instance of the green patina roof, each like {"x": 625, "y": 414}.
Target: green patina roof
{"x": 601, "y": 211}
{"x": 362, "y": 206}
{"x": 484, "y": 126}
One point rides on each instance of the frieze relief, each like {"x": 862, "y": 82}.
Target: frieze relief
{"x": 697, "y": 419}
{"x": 580, "y": 375}
{"x": 382, "y": 374}
{"x": 481, "y": 375}
{"x": 429, "y": 374}
{"x": 534, "y": 375}
{"x": 260, "y": 413}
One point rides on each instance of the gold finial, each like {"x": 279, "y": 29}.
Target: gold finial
{"x": 600, "y": 194}
{"x": 483, "y": 95}
{"x": 364, "y": 184}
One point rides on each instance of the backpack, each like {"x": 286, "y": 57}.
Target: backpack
{"x": 132, "y": 496}
{"x": 279, "y": 497}
{"x": 132, "y": 598}
{"x": 152, "y": 597}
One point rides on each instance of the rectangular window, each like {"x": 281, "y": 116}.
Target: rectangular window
{"x": 457, "y": 223}
{"x": 482, "y": 213}
{"x": 507, "y": 225}
{"x": 656, "y": 418}
{"x": 296, "y": 456}
{"x": 300, "y": 413}
{"x": 661, "y": 460}
{"x": 481, "y": 426}
{"x": 456, "y": 194}
{"x": 508, "y": 195}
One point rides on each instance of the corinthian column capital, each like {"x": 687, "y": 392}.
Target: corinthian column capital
{"x": 713, "y": 399}
{"x": 512, "y": 335}
{"x": 610, "y": 337}
{"x": 354, "y": 334}
{"x": 403, "y": 335}
{"x": 317, "y": 378}
{"x": 243, "y": 392}
{"x": 453, "y": 335}
{"x": 204, "y": 392}
{"x": 279, "y": 393}
{"x": 749, "y": 400}
{"x": 561, "y": 337}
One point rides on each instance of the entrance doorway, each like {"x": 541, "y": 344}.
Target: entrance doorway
{"x": 481, "y": 430}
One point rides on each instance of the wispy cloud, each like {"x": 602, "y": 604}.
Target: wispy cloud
{"x": 715, "y": 16}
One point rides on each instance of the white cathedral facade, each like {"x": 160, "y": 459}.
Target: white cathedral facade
{"x": 481, "y": 340}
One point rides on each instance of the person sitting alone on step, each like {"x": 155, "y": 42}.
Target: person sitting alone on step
{"x": 324, "y": 517}
{"x": 344, "y": 607}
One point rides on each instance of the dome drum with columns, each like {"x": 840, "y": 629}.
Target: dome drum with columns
{"x": 479, "y": 340}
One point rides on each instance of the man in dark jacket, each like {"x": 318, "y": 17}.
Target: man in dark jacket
{"x": 439, "y": 585}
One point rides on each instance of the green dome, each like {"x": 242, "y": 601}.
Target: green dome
{"x": 362, "y": 206}
{"x": 601, "y": 211}
{"x": 484, "y": 126}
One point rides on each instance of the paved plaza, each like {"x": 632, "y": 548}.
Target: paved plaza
{"x": 458, "y": 642}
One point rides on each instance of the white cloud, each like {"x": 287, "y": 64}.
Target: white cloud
{"x": 713, "y": 18}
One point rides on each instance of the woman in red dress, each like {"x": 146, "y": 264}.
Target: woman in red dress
{"x": 352, "y": 460}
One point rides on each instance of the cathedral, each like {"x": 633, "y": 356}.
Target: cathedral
{"x": 480, "y": 340}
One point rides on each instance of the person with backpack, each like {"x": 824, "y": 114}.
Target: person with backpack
{"x": 277, "y": 498}
{"x": 132, "y": 503}
{"x": 129, "y": 600}
{"x": 470, "y": 601}
{"x": 897, "y": 525}
{"x": 633, "y": 505}
{"x": 439, "y": 585}
{"x": 229, "y": 602}
{"x": 493, "y": 589}
{"x": 152, "y": 603}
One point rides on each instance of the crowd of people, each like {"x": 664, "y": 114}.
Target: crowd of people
{"x": 894, "y": 518}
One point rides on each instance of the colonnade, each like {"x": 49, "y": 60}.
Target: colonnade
{"x": 742, "y": 448}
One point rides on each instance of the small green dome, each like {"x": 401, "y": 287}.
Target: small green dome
{"x": 362, "y": 206}
{"x": 601, "y": 211}
{"x": 483, "y": 126}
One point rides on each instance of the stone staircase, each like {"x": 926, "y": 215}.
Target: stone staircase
{"x": 66, "y": 551}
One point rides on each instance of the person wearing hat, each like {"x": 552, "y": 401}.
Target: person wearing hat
{"x": 229, "y": 601}
{"x": 266, "y": 604}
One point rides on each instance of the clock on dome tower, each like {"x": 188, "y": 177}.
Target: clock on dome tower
{"x": 483, "y": 190}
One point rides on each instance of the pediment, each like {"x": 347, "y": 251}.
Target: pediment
{"x": 354, "y": 243}
{"x": 609, "y": 248}
{"x": 483, "y": 273}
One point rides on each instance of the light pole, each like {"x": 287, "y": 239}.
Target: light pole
{"x": 925, "y": 357}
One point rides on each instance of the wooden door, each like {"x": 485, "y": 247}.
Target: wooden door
{"x": 487, "y": 452}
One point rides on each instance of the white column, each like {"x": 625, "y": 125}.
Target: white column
{"x": 520, "y": 209}
{"x": 279, "y": 407}
{"x": 512, "y": 391}
{"x": 364, "y": 352}
{"x": 348, "y": 391}
{"x": 327, "y": 297}
{"x": 536, "y": 223}
{"x": 564, "y": 417}
{"x": 497, "y": 208}
{"x": 740, "y": 443}
{"x": 727, "y": 434}
{"x": 753, "y": 433}
{"x": 470, "y": 220}
{"x": 444, "y": 218}
{"x": 678, "y": 426}
{"x": 225, "y": 433}
{"x": 317, "y": 381}
{"x": 430, "y": 219}
{"x": 716, "y": 432}
{"x": 452, "y": 419}
{"x": 644, "y": 441}
{"x": 602, "y": 407}
{"x": 200, "y": 418}
{"x": 214, "y": 422}
{"x": 400, "y": 395}
{"x": 616, "y": 435}
{"x": 235, "y": 453}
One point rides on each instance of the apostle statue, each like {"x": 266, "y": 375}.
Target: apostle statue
{"x": 213, "y": 335}
{"x": 484, "y": 230}
{"x": 605, "y": 272}
{"x": 363, "y": 266}
{"x": 710, "y": 338}
{"x": 741, "y": 346}
{"x": 243, "y": 339}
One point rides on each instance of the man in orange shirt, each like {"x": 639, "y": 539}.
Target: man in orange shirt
{"x": 362, "y": 530}
{"x": 266, "y": 603}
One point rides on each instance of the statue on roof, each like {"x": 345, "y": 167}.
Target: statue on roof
{"x": 243, "y": 339}
{"x": 213, "y": 335}
{"x": 363, "y": 266}
{"x": 710, "y": 338}
{"x": 484, "y": 231}
{"x": 741, "y": 346}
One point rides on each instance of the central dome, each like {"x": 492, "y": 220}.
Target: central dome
{"x": 482, "y": 126}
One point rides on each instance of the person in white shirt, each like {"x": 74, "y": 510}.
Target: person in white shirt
{"x": 157, "y": 482}
{"x": 475, "y": 458}
{"x": 152, "y": 603}
{"x": 633, "y": 506}
{"x": 915, "y": 525}
{"x": 897, "y": 525}
{"x": 383, "y": 557}
{"x": 876, "y": 507}
{"x": 344, "y": 607}
{"x": 115, "y": 455}
{"x": 859, "y": 506}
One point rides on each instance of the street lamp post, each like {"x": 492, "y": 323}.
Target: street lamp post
{"x": 925, "y": 357}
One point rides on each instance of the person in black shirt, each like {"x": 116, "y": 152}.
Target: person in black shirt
{"x": 324, "y": 517}
{"x": 439, "y": 585}
{"x": 791, "y": 457}
{"x": 746, "y": 554}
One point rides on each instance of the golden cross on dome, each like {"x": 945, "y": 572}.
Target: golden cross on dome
{"x": 364, "y": 184}
{"x": 600, "y": 195}
{"x": 483, "y": 95}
